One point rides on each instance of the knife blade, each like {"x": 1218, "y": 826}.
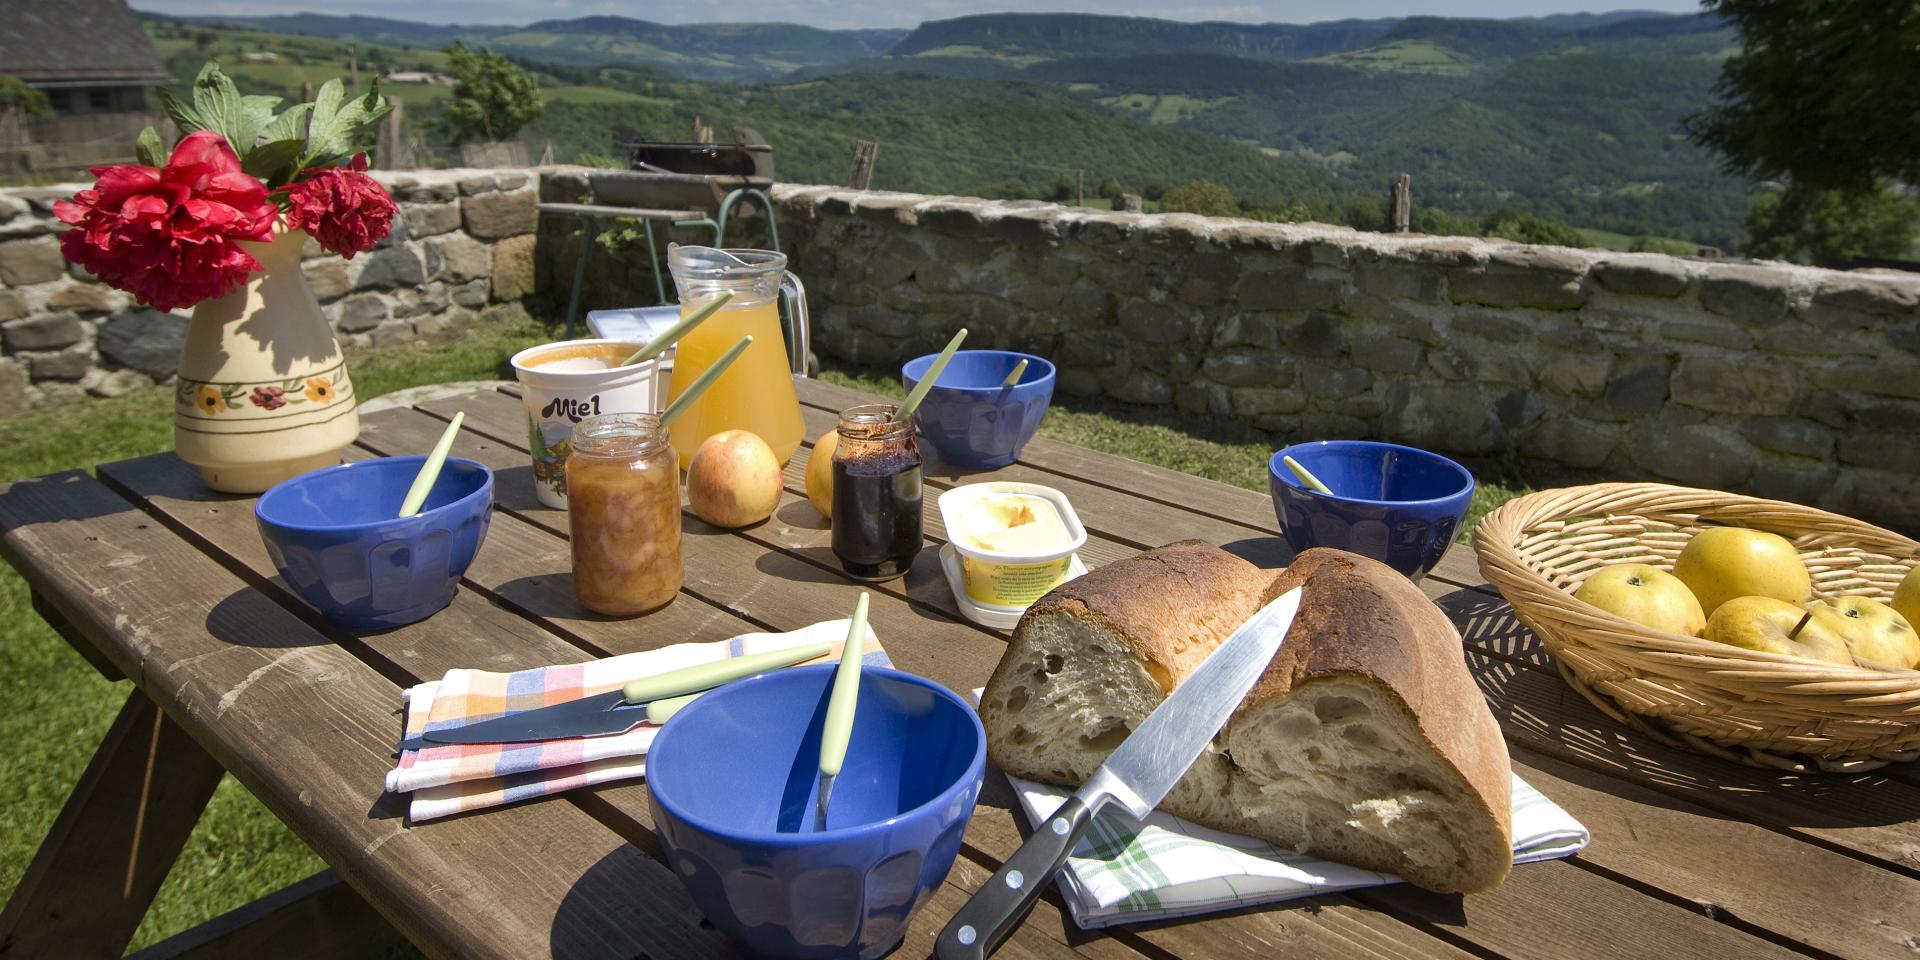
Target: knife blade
{"x": 1137, "y": 775}
{"x": 616, "y": 711}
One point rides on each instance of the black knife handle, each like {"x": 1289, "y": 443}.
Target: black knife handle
{"x": 992, "y": 913}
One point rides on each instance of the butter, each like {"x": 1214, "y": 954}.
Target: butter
{"x": 1011, "y": 523}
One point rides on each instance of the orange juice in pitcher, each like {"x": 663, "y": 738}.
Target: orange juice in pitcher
{"x": 756, "y": 394}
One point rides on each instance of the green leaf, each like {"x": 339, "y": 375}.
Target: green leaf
{"x": 337, "y": 128}
{"x": 273, "y": 160}
{"x": 181, "y": 113}
{"x": 222, "y": 109}
{"x": 291, "y": 125}
{"x": 151, "y": 150}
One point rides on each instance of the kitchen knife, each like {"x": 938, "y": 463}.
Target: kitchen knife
{"x": 1137, "y": 775}
{"x": 615, "y": 711}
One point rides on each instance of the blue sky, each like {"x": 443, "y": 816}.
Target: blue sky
{"x": 896, "y": 13}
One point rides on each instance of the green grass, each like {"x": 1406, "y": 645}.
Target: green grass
{"x": 57, "y": 707}
{"x": 1205, "y": 447}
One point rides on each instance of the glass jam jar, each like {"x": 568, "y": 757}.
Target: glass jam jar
{"x": 623, "y": 510}
{"x": 876, "y": 493}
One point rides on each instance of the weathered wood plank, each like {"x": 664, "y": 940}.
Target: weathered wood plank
{"x": 469, "y": 632}
{"x": 80, "y": 645}
{"x": 1600, "y": 918}
{"x": 305, "y": 726}
{"x": 95, "y": 874}
{"x": 319, "y": 918}
{"x": 1733, "y": 870}
{"x": 1476, "y": 611}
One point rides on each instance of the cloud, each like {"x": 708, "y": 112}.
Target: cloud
{"x": 844, "y": 14}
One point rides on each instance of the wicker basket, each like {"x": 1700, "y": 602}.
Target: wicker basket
{"x": 1758, "y": 708}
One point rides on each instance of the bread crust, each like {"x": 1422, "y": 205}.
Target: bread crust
{"x": 1400, "y": 640}
{"x": 1172, "y": 606}
{"x": 1359, "y": 620}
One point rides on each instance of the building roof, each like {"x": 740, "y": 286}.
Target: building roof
{"x": 71, "y": 41}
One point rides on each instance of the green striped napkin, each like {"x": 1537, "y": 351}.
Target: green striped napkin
{"x": 1126, "y": 871}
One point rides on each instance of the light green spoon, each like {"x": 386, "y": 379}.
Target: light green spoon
{"x": 430, "y": 470}
{"x": 1313, "y": 483}
{"x": 919, "y": 393}
{"x": 838, "y": 728}
{"x": 673, "y": 334}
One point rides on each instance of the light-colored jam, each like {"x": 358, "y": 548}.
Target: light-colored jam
{"x": 623, "y": 511}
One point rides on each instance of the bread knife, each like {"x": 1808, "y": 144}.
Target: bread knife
{"x": 616, "y": 711}
{"x": 1137, "y": 775}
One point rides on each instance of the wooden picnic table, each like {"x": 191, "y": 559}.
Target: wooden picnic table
{"x": 152, "y": 577}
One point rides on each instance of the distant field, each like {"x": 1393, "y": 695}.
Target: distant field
{"x": 964, "y": 50}
{"x": 1406, "y": 56}
{"x": 1165, "y": 108}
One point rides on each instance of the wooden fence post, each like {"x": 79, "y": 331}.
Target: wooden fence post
{"x": 391, "y": 151}
{"x": 864, "y": 152}
{"x": 1401, "y": 204}
{"x": 702, "y": 133}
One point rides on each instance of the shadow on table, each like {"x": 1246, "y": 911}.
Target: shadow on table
{"x": 56, "y": 498}
{"x": 600, "y": 917}
{"x": 250, "y": 618}
{"x": 800, "y": 513}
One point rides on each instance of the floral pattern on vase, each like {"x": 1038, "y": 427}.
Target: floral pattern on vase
{"x": 263, "y": 393}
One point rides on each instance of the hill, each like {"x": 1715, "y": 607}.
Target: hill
{"x": 1024, "y": 38}
{"x": 936, "y": 135}
{"x": 1593, "y": 140}
{"x": 707, "y": 51}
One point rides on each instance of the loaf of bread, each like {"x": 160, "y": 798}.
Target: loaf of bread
{"x": 1365, "y": 742}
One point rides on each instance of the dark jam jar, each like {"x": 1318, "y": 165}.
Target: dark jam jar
{"x": 876, "y": 493}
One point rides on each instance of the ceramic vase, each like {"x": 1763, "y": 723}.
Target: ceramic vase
{"x": 263, "y": 393}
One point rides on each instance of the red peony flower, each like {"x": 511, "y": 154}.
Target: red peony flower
{"x": 168, "y": 235}
{"x": 344, "y": 209}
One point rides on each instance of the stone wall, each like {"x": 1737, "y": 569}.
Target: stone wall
{"x": 461, "y": 248}
{"x": 1779, "y": 380}
{"x": 1784, "y": 381}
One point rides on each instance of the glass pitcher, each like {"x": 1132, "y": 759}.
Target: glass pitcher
{"x": 756, "y": 393}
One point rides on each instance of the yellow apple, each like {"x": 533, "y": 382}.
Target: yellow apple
{"x": 820, "y": 473}
{"x": 1768, "y": 625}
{"x": 1906, "y": 597}
{"x": 1647, "y": 595}
{"x": 1874, "y": 631}
{"x": 1721, "y": 563}
{"x": 733, "y": 479}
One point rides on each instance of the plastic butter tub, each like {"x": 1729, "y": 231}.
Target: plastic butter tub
{"x": 1014, "y": 541}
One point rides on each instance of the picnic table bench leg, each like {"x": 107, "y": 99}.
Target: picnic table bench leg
{"x": 95, "y": 874}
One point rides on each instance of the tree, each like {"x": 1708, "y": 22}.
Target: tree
{"x": 1832, "y": 226}
{"x": 1823, "y": 93}
{"x": 492, "y": 98}
{"x": 16, "y": 96}
{"x": 1203, "y": 197}
{"x": 1527, "y": 228}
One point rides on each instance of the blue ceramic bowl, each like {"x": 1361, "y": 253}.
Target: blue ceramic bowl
{"x": 969, "y": 418}
{"x": 1399, "y": 505}
{"x": 732, "y": 779}
{"x": 333, "y": 536}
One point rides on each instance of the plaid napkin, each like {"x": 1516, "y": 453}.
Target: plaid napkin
{"x": 1126, "y": 871}
{"x": 456, "y": 778}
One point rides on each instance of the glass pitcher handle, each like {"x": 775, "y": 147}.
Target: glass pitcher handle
{"x": 794, "y": 294}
